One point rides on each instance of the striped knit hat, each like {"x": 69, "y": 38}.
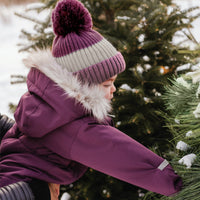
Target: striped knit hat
{"x": 80, "y": 49}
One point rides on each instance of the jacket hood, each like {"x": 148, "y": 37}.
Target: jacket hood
{"x": 90, "y": 97}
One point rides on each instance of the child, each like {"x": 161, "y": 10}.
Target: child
{"x": 62, "y": 125}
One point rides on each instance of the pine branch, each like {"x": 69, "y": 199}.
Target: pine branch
{"x": 16, "y": 79}
{"x": 29, "y": 18}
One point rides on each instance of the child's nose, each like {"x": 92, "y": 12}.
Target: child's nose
{"x": 113, "y": 89}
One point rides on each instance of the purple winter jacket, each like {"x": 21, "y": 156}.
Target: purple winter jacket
{"x": 62, "y": 128}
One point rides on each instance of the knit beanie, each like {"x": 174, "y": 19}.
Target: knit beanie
{"x": 80, "y": 49}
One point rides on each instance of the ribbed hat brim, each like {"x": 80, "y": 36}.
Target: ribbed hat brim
{"x": 102, "y": 71}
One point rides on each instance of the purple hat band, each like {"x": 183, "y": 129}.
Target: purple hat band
{"x": 101, "y": 72}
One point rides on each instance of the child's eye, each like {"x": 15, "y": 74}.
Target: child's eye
{"x": 107, "y": 85}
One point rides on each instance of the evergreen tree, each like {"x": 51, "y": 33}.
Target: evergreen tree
{"x": 182, "y": 101}
{"x": 143, "y": 31}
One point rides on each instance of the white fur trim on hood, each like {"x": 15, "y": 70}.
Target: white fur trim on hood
{"x": 91, "y": 97}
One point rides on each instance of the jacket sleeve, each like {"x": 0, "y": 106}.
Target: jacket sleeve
{"x": 108, "y": 150}
{"x": 5, "y": 124}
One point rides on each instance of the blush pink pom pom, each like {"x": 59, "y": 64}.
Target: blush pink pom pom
{"x": 70, "y": 16}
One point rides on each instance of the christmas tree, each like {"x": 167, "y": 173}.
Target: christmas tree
{"x": 182, "y": 101}
{"x": 143, "y": 31}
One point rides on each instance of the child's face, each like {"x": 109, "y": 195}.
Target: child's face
{"x": 109, "y": 87}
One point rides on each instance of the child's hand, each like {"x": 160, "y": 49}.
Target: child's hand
{"x": 54, "y": 190}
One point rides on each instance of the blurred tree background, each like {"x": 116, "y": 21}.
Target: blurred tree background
{"x": 143, "y": 30}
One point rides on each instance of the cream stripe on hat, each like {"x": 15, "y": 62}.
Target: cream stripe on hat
{"x": 86, "y": 57}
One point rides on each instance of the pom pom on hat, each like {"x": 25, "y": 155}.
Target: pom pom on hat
{"x": 81, "y": 50}
{"x": 70, "y": 16}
